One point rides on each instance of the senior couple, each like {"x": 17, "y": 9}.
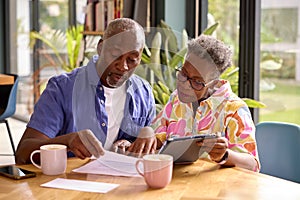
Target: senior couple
{"x": 103, "y": 105}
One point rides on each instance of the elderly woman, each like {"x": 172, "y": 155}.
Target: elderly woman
{"x": 205, "y": 104}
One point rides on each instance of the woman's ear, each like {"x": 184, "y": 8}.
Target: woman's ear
{"x": 99, "y": 46}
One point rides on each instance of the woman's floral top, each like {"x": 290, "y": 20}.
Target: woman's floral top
{"x": 222, "y": 112}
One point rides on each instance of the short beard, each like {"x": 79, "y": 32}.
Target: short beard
{"x": 119, "y": 83}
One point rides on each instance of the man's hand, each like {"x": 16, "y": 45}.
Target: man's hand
{"x": 121, "y": 146}
{"x": 84, "y": 144}
{"x": 144, "y": 144}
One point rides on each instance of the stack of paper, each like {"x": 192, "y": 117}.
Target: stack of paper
{"x": 111, "y": 164}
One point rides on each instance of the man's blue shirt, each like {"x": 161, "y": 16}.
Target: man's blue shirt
{"x": 70, "y": 103}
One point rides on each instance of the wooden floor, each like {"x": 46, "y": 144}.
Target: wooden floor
{"x": 17, "y": 129}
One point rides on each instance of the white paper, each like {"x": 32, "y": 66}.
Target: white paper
{"x": 111, "y": 164}
{"x": 86, "y": 186}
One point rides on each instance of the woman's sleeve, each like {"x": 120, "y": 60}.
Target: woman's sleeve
{"x": 161, "y": 122}
{"x": 240, "y": 133}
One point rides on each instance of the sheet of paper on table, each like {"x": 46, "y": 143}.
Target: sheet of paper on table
{"x": 86, "y": 186}
{"x": 111, "y": 164}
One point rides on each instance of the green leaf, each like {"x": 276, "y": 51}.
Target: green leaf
{"x": 173, "y": 45}
{"x": 253, "y": 103}
{"x": 155, "y": 50}
{"x": 155, "y": 94}
{"x": 184, "y": 39}
{"x": 155, "y": 62}
{"x": 166, "y": 49}
{"x": 159, "y": 93}
{"x": 210, "y": 30}
{"x": 147, "y": 51}
{"x": 74, "y": 37}
{"x": 145, "y": 59}
{"x": 178, "y": 58}
{"x": 165, "y": 98}
{"x": 169, "y": 80}
{"x": 164, "y": 88}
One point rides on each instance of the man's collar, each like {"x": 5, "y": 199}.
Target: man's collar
{"x": 92, "y": 71}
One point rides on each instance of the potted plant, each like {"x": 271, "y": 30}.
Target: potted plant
{"x": 52, "y": 50}
{"x": 164, "y": 56}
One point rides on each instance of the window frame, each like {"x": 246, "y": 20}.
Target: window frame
{"x": 249, "y": 42}
{"x": 249, "y": 52}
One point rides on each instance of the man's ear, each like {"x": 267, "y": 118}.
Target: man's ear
{"x": 99, "y": 46}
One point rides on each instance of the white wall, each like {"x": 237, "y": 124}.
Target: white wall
{"x": 175, "y": 16}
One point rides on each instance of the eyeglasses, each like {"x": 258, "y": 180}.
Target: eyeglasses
{"x": 196, "y": 84}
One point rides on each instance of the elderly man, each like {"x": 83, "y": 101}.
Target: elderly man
{"x": 98, "y": 106}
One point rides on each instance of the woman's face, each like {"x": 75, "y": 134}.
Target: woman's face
{"x": 195, "y": 70}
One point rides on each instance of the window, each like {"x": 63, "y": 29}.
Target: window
{"x": 53, "y": 16}
{"x": 239, "y": 27}
{"x": 280, "y": 61}
{"x": 228, "y": 29}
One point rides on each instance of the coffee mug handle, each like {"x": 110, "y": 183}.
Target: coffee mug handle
{"x": 137, "y": 167}
{"x": 31, "y": 155}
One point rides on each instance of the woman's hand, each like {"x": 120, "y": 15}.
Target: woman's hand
{"x": 215, "y": 147}
{"x": 145, "y": 143}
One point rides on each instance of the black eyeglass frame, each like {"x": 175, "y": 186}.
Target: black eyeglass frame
{"x": 196, "y": 85}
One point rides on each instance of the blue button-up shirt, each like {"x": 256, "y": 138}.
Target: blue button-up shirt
{"x": 72, "y": 102}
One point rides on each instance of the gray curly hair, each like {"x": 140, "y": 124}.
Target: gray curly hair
{"x": 210, "y": 48}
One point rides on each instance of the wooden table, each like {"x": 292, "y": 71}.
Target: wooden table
{"x": 201, "y": 180}
{"x": 6, "y": 79}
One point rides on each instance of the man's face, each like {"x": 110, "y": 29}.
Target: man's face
{"x": 119, "y": 56}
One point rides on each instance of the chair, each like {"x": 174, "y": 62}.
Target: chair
{"x": 278, "y": 145}
{"x": 8, "y": 99}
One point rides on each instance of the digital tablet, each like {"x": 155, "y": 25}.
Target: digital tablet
{"x": 184, "y": 149}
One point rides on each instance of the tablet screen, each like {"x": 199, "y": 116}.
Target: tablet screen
{"x": 184, "y": 149}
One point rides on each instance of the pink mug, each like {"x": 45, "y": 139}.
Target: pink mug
{"x": 158, "y": 169}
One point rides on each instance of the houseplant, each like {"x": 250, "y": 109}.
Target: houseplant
{"x": 57, "y": 40}
{"x": 60, "y": 50}
{"x": 164, "y": 56}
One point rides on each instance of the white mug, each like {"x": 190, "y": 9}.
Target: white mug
{"x": 53, "y": 159}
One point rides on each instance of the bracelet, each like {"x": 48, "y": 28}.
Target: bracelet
{"x": 223, "y": 159}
